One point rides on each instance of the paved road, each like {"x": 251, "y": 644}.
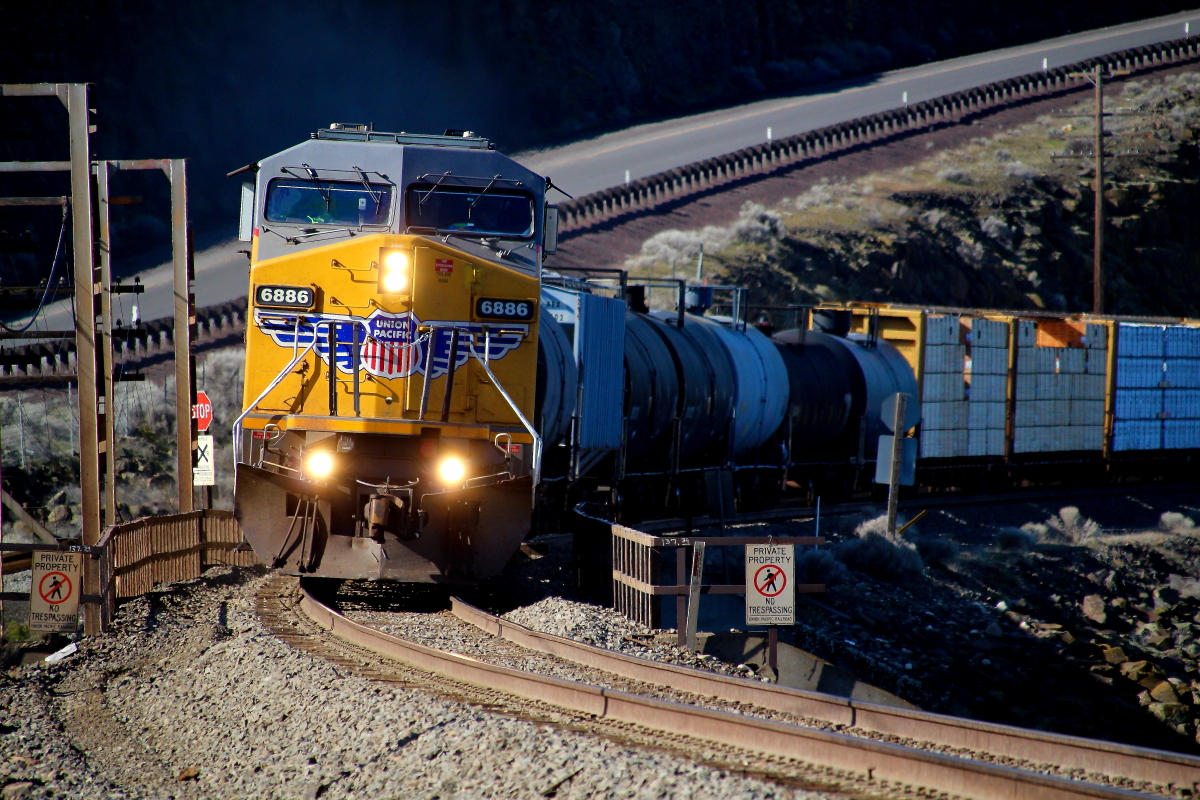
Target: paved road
{"x": 595, "y": 164}
{"x": 599, "y": 163}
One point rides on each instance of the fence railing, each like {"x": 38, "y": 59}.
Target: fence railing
{"x": 644, "y": 194}
{"x": 137, "y": 555}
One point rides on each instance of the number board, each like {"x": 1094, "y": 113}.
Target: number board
{"x": 286, "y": 296}
{"x": 495, "y": 308}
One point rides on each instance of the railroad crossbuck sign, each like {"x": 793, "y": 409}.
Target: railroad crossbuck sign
{"x": 770, "y": 584}
{"x": 54, "y": 594}
{"x": 204, "y": 473}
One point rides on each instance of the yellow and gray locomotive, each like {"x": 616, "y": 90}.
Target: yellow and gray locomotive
{"x": 391, "y": 356}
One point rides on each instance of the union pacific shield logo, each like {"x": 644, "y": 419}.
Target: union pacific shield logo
{"x": 389, "y": 345}
{"x": 389, "y": 351}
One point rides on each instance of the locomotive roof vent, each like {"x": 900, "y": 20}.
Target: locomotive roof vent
{"x": 342, "y": 131}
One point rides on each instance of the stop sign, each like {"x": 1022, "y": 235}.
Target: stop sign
{"x": 202, "y": 412}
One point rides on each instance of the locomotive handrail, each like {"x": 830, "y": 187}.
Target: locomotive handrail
{"x": 237, "y": 423}
{"x": 537, "y": 440}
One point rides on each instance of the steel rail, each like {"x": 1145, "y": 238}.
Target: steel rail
{"x": 1069, "y": 752}
{"x": 892, "y": 765}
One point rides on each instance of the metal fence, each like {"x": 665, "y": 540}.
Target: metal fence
{"x": 137, "y": 555}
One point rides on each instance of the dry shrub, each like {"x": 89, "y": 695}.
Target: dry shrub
{"x": 954, "y": 175}
{"x": 1020, "y": 171}
{"x": 1040, "y": 532}
{"x": 935, "y": 550}
{"x": 873, "y": 553}
{"x": 875, "y": 525}
{"x": 1175, "y": 522}
{"x": 1073, "y": 525}
{"x": 849, "y": 524}
{"x": 819, "y": 566}
{"x": 756, "y": 224}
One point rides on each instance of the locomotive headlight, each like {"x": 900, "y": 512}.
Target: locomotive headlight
{"x": 452, "y": 470}
{"x": 393, "y": 273}
{"x": 319, "y": 465}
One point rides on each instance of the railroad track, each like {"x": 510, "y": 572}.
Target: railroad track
{"x": 788, "y": 753}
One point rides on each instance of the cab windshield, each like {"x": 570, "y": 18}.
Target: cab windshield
{"x": 328, "y": 203}
{"x": 470, "y": 211}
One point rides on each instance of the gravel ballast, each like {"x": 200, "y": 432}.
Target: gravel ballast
{"x": 191, "y": 697}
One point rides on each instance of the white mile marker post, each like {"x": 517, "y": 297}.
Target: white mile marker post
{"x": 693, "y": 609}
{"x": 898, "y": 430}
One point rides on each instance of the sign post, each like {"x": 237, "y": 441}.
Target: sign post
{"x": 55, "y": 588}
{"x": 896, "y": 461}
{"x": 204, "y": 472}
{"x": 771, "y": 592}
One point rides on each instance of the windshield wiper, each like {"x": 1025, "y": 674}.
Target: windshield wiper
{"x": 490, "y": 242}
{"x": 296, "y": 239}
{"x": 441, "y": 178}
{"x": 490, "y": 184}
{"x": 376, "y": 196}
{"x": 326, "y": 195}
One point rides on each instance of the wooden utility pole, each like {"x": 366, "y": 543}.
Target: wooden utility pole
{"x": 1096, "y": 76}
{"x": 104, "y": 345}
{"x": 1098, "y": 236}
{"x": 185, "y": 368}
{"x": 91, "y": 421}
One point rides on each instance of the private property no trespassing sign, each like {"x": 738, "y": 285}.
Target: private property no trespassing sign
{"x": 57, "y": 582}
{"x": 770, "y": 584}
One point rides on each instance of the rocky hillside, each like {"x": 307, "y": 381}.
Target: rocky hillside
{"x": 998, "y": 223}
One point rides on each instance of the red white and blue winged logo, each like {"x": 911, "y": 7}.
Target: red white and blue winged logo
{"x": 389, "y": 345}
